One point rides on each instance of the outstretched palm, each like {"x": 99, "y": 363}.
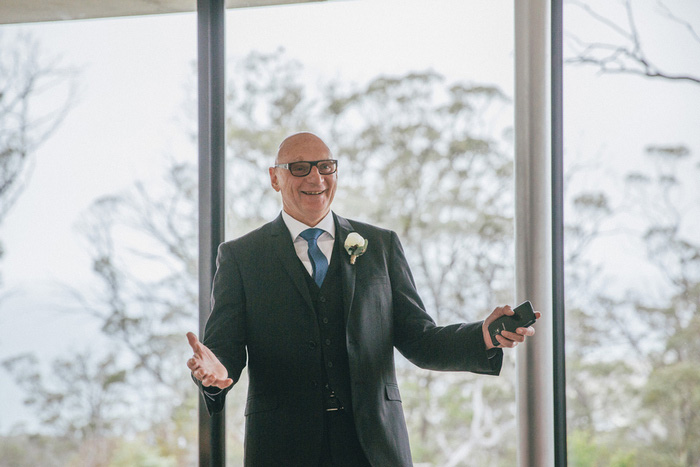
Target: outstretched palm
{"x": 205, "y": 366}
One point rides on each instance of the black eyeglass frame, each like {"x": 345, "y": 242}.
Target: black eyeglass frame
{"x": 312, "y": 164}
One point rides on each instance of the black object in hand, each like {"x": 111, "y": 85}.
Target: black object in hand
{"x": 524, "y": 316}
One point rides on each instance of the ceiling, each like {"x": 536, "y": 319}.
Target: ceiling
{"x": 32, "y": 11}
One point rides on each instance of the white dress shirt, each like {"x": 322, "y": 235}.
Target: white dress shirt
{"x": 325, "y": 241}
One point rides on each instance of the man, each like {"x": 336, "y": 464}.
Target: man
{"x": 317, "y": 328}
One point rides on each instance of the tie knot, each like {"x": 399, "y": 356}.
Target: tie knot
{"x": 311, "y": 234}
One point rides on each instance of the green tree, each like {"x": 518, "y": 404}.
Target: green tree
{"x": 415, "y": 155}
{"x": 631, "y": 357}
{"x": 633, "y": 362}
{"x": 81, "y": 404}
{"x": 430, "y": 159}
{"x": 419, "y": 159}
{"x": 28, "y": 76}
{"x": 670, "y": 397}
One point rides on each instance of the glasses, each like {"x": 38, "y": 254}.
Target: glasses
{"x": 303, "y": 168}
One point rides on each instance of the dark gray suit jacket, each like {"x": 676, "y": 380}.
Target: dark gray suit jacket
{"x": 262, "y": 312}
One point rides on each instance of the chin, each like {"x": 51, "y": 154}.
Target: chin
{"x": 317, "y": 205}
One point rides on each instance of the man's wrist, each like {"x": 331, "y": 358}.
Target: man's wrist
{"x": 488, "y": 344}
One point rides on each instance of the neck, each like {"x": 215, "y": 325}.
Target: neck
{"x": 308, "y": 221}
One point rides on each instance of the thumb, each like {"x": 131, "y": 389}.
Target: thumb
{"x": 222, "y": 383}
{"x": 193, "y": 341}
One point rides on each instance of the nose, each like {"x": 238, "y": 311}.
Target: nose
{"x": 314, "y": 176}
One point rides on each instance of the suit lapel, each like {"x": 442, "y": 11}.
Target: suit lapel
{"x": 347, "y": 271}
{"x": 281, "y": 244}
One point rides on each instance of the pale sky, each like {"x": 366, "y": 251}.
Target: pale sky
{"x": 133, "y": 75}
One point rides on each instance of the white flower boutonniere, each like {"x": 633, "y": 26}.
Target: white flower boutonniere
{"x": 355, "y": 245}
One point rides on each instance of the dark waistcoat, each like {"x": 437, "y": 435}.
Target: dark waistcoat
{"x": 328, "y": 306}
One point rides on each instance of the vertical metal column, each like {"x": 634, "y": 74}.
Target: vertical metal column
{"x": 210, "y": 53}
{"x": 558, "y": 323}
{"x": 533, "y": 228}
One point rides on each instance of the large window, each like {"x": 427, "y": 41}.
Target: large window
{"x": 99, "y": 265}
{"x": 99, "y": 236}
{"x": 632, "y": 156}
{"x": 415, "y": 100}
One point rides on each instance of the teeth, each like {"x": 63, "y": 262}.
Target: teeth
{"x": 313, "y": 192}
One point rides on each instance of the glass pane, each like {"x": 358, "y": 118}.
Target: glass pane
{"x": 632, "y": 100}
{"x": 414, "y": 99}
{"x": 99, "y": 266}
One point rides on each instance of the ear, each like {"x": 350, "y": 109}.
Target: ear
{"x": 273, "y": 179}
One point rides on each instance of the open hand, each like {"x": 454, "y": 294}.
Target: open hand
{"x": 506, "y": 338}
{"x": 205, "y": 366}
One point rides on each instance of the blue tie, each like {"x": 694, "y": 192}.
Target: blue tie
{"x": 319, "y": 263}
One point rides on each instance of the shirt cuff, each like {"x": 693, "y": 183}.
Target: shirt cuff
{"x": 211, "y": 392}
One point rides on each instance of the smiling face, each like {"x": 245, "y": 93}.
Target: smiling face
{"x": 307, "y": 199}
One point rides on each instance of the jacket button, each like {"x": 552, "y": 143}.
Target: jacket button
{"x": 312, "y": 345}
{"x": 328, "y": 342}
{"x": 322, "y": 299}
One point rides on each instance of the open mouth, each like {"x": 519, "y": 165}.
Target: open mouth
{"x": 313, "y": 193}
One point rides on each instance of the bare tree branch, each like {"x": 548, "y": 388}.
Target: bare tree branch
{"x": 628, "y": 56}
{"x": 666, "y": 11}
{"x": 26, "y": 76}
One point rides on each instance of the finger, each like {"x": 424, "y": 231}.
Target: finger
{"x": 192, "y": 364}
{"x": 193, "y": 341}
{"x": 538, "y": 315}
{"x": 528, "y": 331}
{"x": 507, "y": 310}
{"x": 495, "y": 314}
{"x": 513, "y": 336}
{"x": 209, "y": 380}
{"x": 223, "y": 384}
{"x": 505, "y": 342}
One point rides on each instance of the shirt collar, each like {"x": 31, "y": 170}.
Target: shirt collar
{"x": 296, "y": 227}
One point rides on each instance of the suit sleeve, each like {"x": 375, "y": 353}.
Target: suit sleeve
{"x": 456, "y": 347}
{"x": 225, "y": 332}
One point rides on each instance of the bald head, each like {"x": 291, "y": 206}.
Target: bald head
{"x": 301, "y": 143}
{"x": 307, "y": 198}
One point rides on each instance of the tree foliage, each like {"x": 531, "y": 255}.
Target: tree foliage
{"x": 422, "y": 160}
{"x": 631, "y": 359}
{"x": 433, "y": 161}
{"x": 418, "y": 155}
